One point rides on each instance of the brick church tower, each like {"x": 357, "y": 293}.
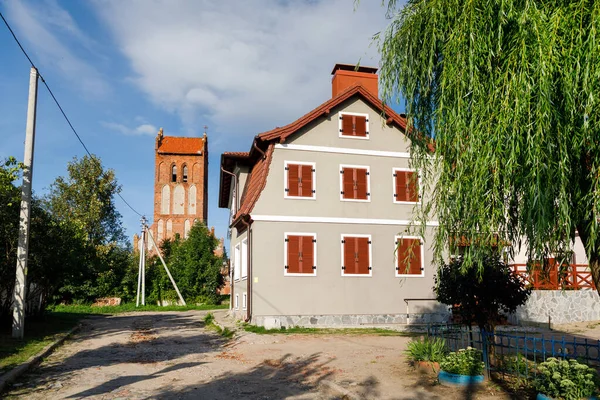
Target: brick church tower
{"x": 180, "y": 185}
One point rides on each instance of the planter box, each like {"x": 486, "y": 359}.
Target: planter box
{"x": 427, "y": 366}
{"x": 446, "y": 378}
{"x": 541, "y": 396}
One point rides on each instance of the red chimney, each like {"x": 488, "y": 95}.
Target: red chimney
{"x": 347, "y": 75}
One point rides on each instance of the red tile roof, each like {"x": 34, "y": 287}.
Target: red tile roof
{"x": 180, "y": 145}
{"x": 255, "y": 183}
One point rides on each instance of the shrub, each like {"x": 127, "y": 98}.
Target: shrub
{"x": 567, "y": 380}
{"x": 428, "y": 349}
{"x": 463, "y": 362}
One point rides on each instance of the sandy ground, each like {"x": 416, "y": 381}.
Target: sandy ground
{"x": 171, "y": 355}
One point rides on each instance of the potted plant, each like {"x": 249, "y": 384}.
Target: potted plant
{"x": 427, "y": 353}
{"x": 566, "y": 380}
{"x": 462, "y": 368}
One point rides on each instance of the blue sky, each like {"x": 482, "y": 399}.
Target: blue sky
{"x": 122, "y": 69}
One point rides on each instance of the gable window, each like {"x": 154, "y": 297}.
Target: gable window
{"x": 406, "y": 186}
{"x": 174, "y": 173}
{"x": 356, "y": 255}
{"x": 354, "y": 183}
{"x": 300, "y": 254}
{"x": 244, "y": 260}
{"x": 409, "y": 256}
{"x": 300, "y": 179}
{"x": 185, "y": 173}
{"x": 236, "y": 263}
{"x": 354, "y": 125}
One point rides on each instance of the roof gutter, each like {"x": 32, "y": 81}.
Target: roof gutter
{"x": 258, "y": 149}
{"x": 235, "y": 186}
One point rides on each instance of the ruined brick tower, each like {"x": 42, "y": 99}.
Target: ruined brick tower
{"x": 180, "y": 185}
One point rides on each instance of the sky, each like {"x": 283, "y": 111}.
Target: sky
{"x": 122, "y": 69}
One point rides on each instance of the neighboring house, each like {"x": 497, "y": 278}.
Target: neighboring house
{"x": 318, "y": 208}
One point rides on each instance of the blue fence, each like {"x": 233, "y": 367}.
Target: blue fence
{"x": 517, "y": 354}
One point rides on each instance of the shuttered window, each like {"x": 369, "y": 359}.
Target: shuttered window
{"x": 354, "y": 183}
{"x": 354, "y": 125}
{"x": 406, "y": 186}
{"x": 300, "y": 180}
{"x": 409, "y": 256}
{"x": 300, "y": 254}
{"x": 356, "y": 255}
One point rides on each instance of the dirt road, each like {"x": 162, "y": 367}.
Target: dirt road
{"x": 171, "y": 355}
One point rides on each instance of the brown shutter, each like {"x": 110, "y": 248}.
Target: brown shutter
{"x": 362, "y": 249}
{"x": 360, "y": 126}
{"x": 412, "y": 186}
{"x": 400, "y": 186}
{"x": 348, "y": 183}
{"x": 350, "y": 264}
{"x": 293, "y": 254}
{"x": 361, "y": 184}
{"x": 409, "y": 250}
{"x": 347, "y": 125}
{"x": 293, "y": 180}
{"x": 306, "y": 183}
{"x": 307, "y": 254}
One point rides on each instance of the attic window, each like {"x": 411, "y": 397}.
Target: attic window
{"x": 354, "y": 125}
{"x": 174, "y": 173}
{"x": 185, "y": 173}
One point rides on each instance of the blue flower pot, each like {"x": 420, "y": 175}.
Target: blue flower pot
{"x": 544, "y": 397}
{"x": 447, "y": 378}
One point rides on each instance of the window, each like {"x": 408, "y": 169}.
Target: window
{"x": 406, "y": 186}
{"x": 354, "y": 183}
{"x": 409, "y": 256}
{"x": 300, "y": 254}
{"x": 236, "y": 263}
{"x": 174, "y": 173}
{"x": 244, "y": 260}
{"x": 237, "y": 302}
{"x": 185, "y": 173}
{"x": 244, "y": 301}
{"x": 300, "y": 180}
{"x": 356, "y": 255}
{"x": 354, "y": 125}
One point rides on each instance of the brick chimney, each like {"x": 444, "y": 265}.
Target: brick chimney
{"x": 347, "y": 75}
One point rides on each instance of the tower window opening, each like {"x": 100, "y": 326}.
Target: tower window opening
{"x": 185, "y": 173}
{"x": 174, "y": 173}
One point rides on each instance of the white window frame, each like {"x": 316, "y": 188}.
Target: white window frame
{"x": 244, "y": 259}
{"x": 285, "y": 180}
{"x": 419, "y": 185}
{"x": 368, "y": 168}
{"x": 397, "y": 273}
{"x": 237, "y": 302}
{"x": 244, "y": 301}
{"x": 285, "y": 252}
{"x": 343, "y": 236}
{"x": 236, "y": 263}
{"x": 341, "y": 113}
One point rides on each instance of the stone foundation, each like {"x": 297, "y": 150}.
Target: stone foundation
{"x": 562, "y": 306}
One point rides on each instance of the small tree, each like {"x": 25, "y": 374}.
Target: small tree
{"x": 480, "y": 295}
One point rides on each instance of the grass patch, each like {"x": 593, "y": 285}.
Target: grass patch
{"x": 209, "y": 322}
{"x": 130, "y": 307}
{"x": 326, "y": 331}
{"x": 39, "y": 333}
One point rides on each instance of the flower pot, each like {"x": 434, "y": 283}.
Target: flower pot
{"x": 541, "y": 396}
{"x": 450, "y": 379}
{"x": 427, "y": 366}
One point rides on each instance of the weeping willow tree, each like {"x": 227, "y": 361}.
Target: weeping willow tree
{"x": 503, "y": 95}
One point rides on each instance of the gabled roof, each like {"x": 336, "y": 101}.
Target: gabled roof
{"x": 180, "y": 145}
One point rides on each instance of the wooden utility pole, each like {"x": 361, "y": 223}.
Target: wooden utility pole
{"x": 19, "y": 298}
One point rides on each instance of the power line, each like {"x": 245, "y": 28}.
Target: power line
{"x": 58, "y": 104}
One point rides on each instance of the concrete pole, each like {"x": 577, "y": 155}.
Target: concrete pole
{"x": 166, "y": 269}
{"x": 18, "y": 326}
{"x": 143, "y": 255}
{"x": 139, "y": 286}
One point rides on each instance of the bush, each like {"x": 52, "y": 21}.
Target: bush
{"x": 463, "y": 362}
{"x": 428, "y": 349}
{"x": 567, "y": 380}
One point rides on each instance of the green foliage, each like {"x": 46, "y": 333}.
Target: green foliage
{"x": 209, "y": 318}
{"x": 509, "y": 91}
{"x": 515, "y": 364}
{"x": 463, "y": 362}
{"x": 126, "y": 307}
{"x": 567, "y": 380}
{"x": 480, "y": 295}
{"x": 428, "y": 349}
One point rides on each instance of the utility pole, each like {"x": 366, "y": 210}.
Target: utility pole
{"x": 165, "y": 265}
{"x": 18, "y": 327}
{"x": 143, "y": 256}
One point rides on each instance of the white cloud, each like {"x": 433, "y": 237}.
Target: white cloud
{"x": 241, "y": 66}
{"x": 52, "y": 35}
{"x": 143, "y": 129}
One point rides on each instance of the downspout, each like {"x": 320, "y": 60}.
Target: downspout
{"x": 249, "y": 275}
{"x": 259, "y": 150}
{"x": 231, "y": 270}
{"x": 235, "y": 184}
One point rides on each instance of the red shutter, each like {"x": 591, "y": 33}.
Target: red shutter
{"x": 293, "y": 254}
{"x": 350, "y": 264}
{"x": 361, "y": 184}
{"x": 307, "y": 254}
{"x": 409, "y": 250}
{"x": 356, "y": 255}
{"x": 360, "y": 126}
{"x": 400, "y": 186}
{"x": 293, "y": 179}
{"x": 347, "y": 125}
{"x": 362, "y": 249}
{"x": 348, "y": 183}
{"x": 306, "y": 183}
{"x": 407, "y": 186}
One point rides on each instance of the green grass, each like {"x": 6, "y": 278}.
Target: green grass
{"x": 39, "y": 333}
{"x": 210, "y": 324}
{"x": 130, "y": 307}
{"x": 326, "y": 331}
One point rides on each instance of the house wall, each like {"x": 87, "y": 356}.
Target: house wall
{"x": 559, "y": 307}
{"x": 238, "y": 285}
{"x": 520, "y": 257}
